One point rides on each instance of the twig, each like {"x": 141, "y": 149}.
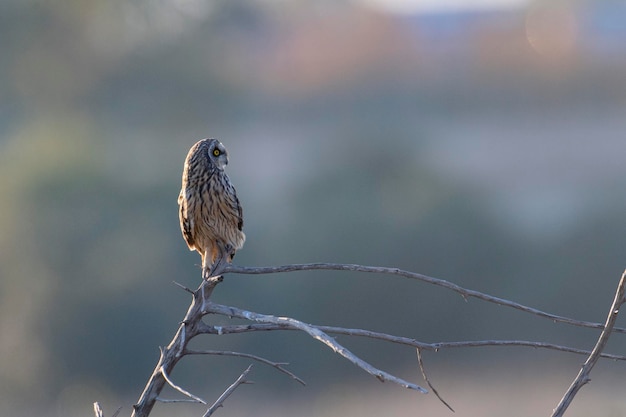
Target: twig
{"x": 178, "y": 284}
{"x": 583, "y": 375}
{"x": 421, "y": 365}
{"x": 465, "y": 292}
{"x": 179, "y": 389}
{"x": 99, "y": 413}
{"x": 97, "y": 409}
{"x": 277, "y": 365}
{"x": 315, "y": 333}
{"x": 220, "y": 401}
{"x": 177, "y": 400}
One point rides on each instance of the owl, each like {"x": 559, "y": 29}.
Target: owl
{"x": 211, "y": 217}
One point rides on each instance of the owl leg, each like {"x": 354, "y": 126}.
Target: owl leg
{"x": 208, "y": 260}
{"x": 220, "y": 260}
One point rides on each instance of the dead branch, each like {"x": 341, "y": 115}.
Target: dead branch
{"x": 315, "y": 333}
{"x": 194, "y": 398}
{"x": 464, "y": 292}
{"x": 420, "y": 362}
{"x": 278, "y": 365}
{"x": 171, "y": 354}
{"x": 583, "y": 376}
{"x": 177, "y": 349}
{"x": 245, "y": 328}
{"x": 220, "y": 401}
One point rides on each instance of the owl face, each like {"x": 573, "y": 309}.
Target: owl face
{"x": 216, "y": 153}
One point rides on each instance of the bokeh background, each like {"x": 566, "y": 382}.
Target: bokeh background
{"x": 477, "y": 141}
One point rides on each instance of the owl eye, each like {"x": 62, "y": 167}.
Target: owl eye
{"x": 216, "y": 152}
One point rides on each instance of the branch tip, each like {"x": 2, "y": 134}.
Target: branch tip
{"x": 179, "y": 389}
{"x": 178, "y": 284}
{"x": 425, "y": 376}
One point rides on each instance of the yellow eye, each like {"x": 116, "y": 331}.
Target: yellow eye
{"x": 216, "y": 152}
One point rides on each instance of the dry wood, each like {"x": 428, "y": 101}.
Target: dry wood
{"x": 315, "y": 333}
{"x": 220, "y": 401}
{"x": 171, "y": 354}
{"x": 407, "y": 341}
{"x": 583, "y": 376}
{"x": 464, "y": 292}
{"x": 192, "y": 325}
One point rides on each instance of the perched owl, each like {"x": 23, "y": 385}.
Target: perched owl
{"x": 210, "y": 215}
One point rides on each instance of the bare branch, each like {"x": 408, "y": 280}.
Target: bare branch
{"x": 583, "y": 376}
{"x": 220, "y": 401}
{"x": 464, "y": 292}
{"x": 406, "y": 340}
{"x": 277, "y": 365}
{"x": 421, "y": 364}
{"x": 192, "y": 325}
{"x": 179, "y": 389}
{"x": 315, "y": 333}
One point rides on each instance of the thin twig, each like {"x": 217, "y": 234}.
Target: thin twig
{"x": 100, "y": 413}
{"x": 277, "y": 365}
{"x": 464, "y": 292}
{"x": 179, "y": 389}
{"x": 583, "y": 375}
{"x": 178, "y": 400}
{"x": 178, "y": 284}
{"x": 97, "y": 409}
{"x": 315, "y": 333}
{"x": 421, "y": 365}
{"x": 220, "y": 401}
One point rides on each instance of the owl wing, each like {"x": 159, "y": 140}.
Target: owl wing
{"x": 239, "y": 213}
{"x": 233, "y": 214}
{"x": 186, "y": 222}
{"x": 235, "y": 211}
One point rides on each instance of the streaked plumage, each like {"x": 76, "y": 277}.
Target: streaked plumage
{"x": 210, "y": 214}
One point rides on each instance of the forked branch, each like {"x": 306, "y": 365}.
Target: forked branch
{"x": 583, "y": 376}
{"x": 220, "y": 401}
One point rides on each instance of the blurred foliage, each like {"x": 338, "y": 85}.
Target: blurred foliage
{"x": 438, "y": 143}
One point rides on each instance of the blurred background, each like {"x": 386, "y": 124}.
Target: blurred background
{"x": 478, "y": 141}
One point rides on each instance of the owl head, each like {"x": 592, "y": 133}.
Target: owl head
{"x": 210, "y": 153}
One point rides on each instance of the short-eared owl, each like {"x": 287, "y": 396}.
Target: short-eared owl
{"x": 210, "y": 214}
